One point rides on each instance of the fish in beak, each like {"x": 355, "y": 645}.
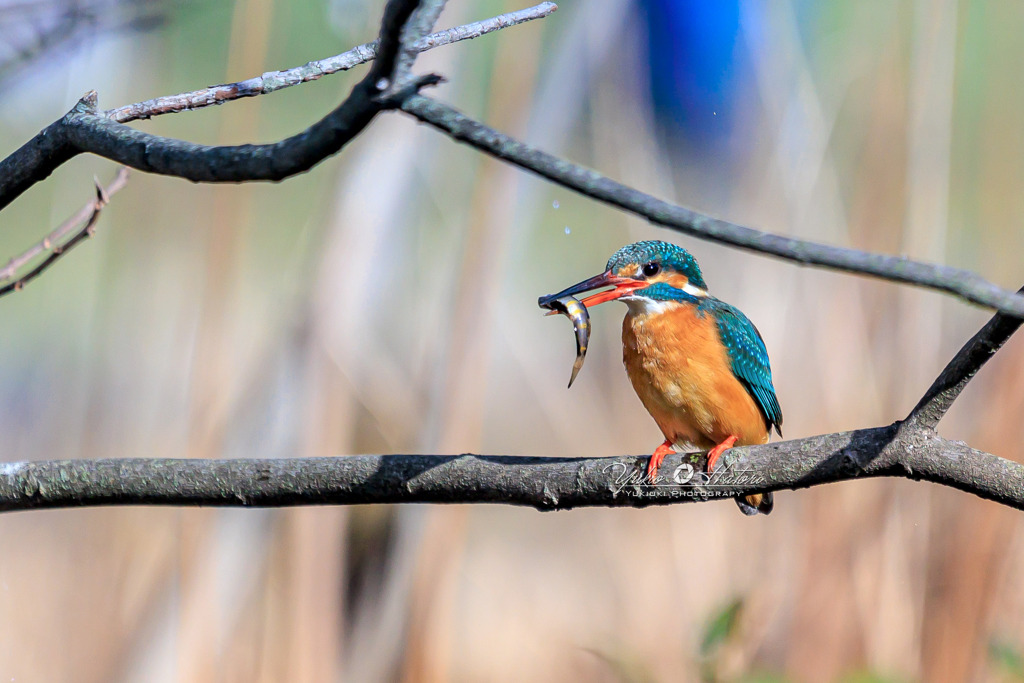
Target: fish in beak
{"x": 621, "y": 286}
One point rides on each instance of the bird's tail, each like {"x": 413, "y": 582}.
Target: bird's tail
{"x": 757, "y": 503}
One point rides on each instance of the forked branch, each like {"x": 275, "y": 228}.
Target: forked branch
{"x": 86, "y": 129}
{"x": 56, "y": 244}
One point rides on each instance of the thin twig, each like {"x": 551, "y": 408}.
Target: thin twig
{"x": 962, "y": 283}
{"x": 418, "y": 27}
{"x": 56, "y": 243}
{"x": 278, "y": 80}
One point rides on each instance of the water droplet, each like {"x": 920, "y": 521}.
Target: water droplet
{"x": 567, "y": 230}
{"x": 554, "y": 204}
{"x": 383, "y": 84}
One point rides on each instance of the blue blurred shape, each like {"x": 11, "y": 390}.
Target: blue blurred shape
{"x": 694, "y": 71}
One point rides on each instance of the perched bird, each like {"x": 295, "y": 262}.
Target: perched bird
{"x": 698, "y": 364}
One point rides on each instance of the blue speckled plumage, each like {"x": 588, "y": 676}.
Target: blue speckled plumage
{"x": 669, "y": 255}
{"x": 662, "y": 291}
{"x": 748, "y": 357}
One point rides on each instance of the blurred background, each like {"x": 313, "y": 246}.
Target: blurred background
{"x": 385, "y": 302}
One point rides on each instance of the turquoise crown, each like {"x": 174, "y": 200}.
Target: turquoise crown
{"x": 664, "y": 254}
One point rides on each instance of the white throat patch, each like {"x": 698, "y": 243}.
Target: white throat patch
{"x": 641, "y": 305}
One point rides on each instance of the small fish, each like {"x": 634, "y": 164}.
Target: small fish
{"x": 571, "y": 307}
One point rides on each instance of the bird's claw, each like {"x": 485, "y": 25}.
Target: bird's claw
{"x": 715, "y": 452}
{"x": 656, "y": 459}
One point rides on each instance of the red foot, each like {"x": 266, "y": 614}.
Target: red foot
{"x": 718, "y": 450}
{"x": 655, "y": 462}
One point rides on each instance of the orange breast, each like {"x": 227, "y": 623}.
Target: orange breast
{"x": 681, "y": 372}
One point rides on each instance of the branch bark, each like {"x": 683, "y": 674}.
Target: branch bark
{"x": 542, "y": 483}
{"x": 962, "y": 369}
{"x": 312, "y": 71}
{"x": 962, "y": 283}
{"x": 57, "y": 243}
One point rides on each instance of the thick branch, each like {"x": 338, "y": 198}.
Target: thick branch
{"x": 543, "y": 483}
{"x": 88, "y": 131}
{"x": 962, "y": 369}
{"x": 962, "y": 283}
{"x": 34, "y": 161}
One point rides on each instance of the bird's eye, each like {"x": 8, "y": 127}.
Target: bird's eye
{"x": 651, "y": 269}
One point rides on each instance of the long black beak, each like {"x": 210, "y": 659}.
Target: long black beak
{"x": 622, "y": 285}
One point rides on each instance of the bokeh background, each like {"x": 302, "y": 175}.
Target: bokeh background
{"x": 385, "y": 302}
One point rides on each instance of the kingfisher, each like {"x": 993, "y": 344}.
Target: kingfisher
{"x": 699, "y": 365}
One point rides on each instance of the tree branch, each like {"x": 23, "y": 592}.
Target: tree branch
{"x": 542, "y": 483}
{"x": 84, "y": 129}
{"x": 87, "y": 129}
{"x": 278, "y": 80}
{"x": 962, "y": 283}
{"x": 418, "y": 26}
{"x": 34, "y": 161}
{"x": 57, "y": 242}
{"x": 962, "y": 369}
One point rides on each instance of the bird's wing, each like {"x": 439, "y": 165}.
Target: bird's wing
{"x": 749, "y": 359}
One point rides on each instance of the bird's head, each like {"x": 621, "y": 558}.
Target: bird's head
{"x": 644, "y": 271}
